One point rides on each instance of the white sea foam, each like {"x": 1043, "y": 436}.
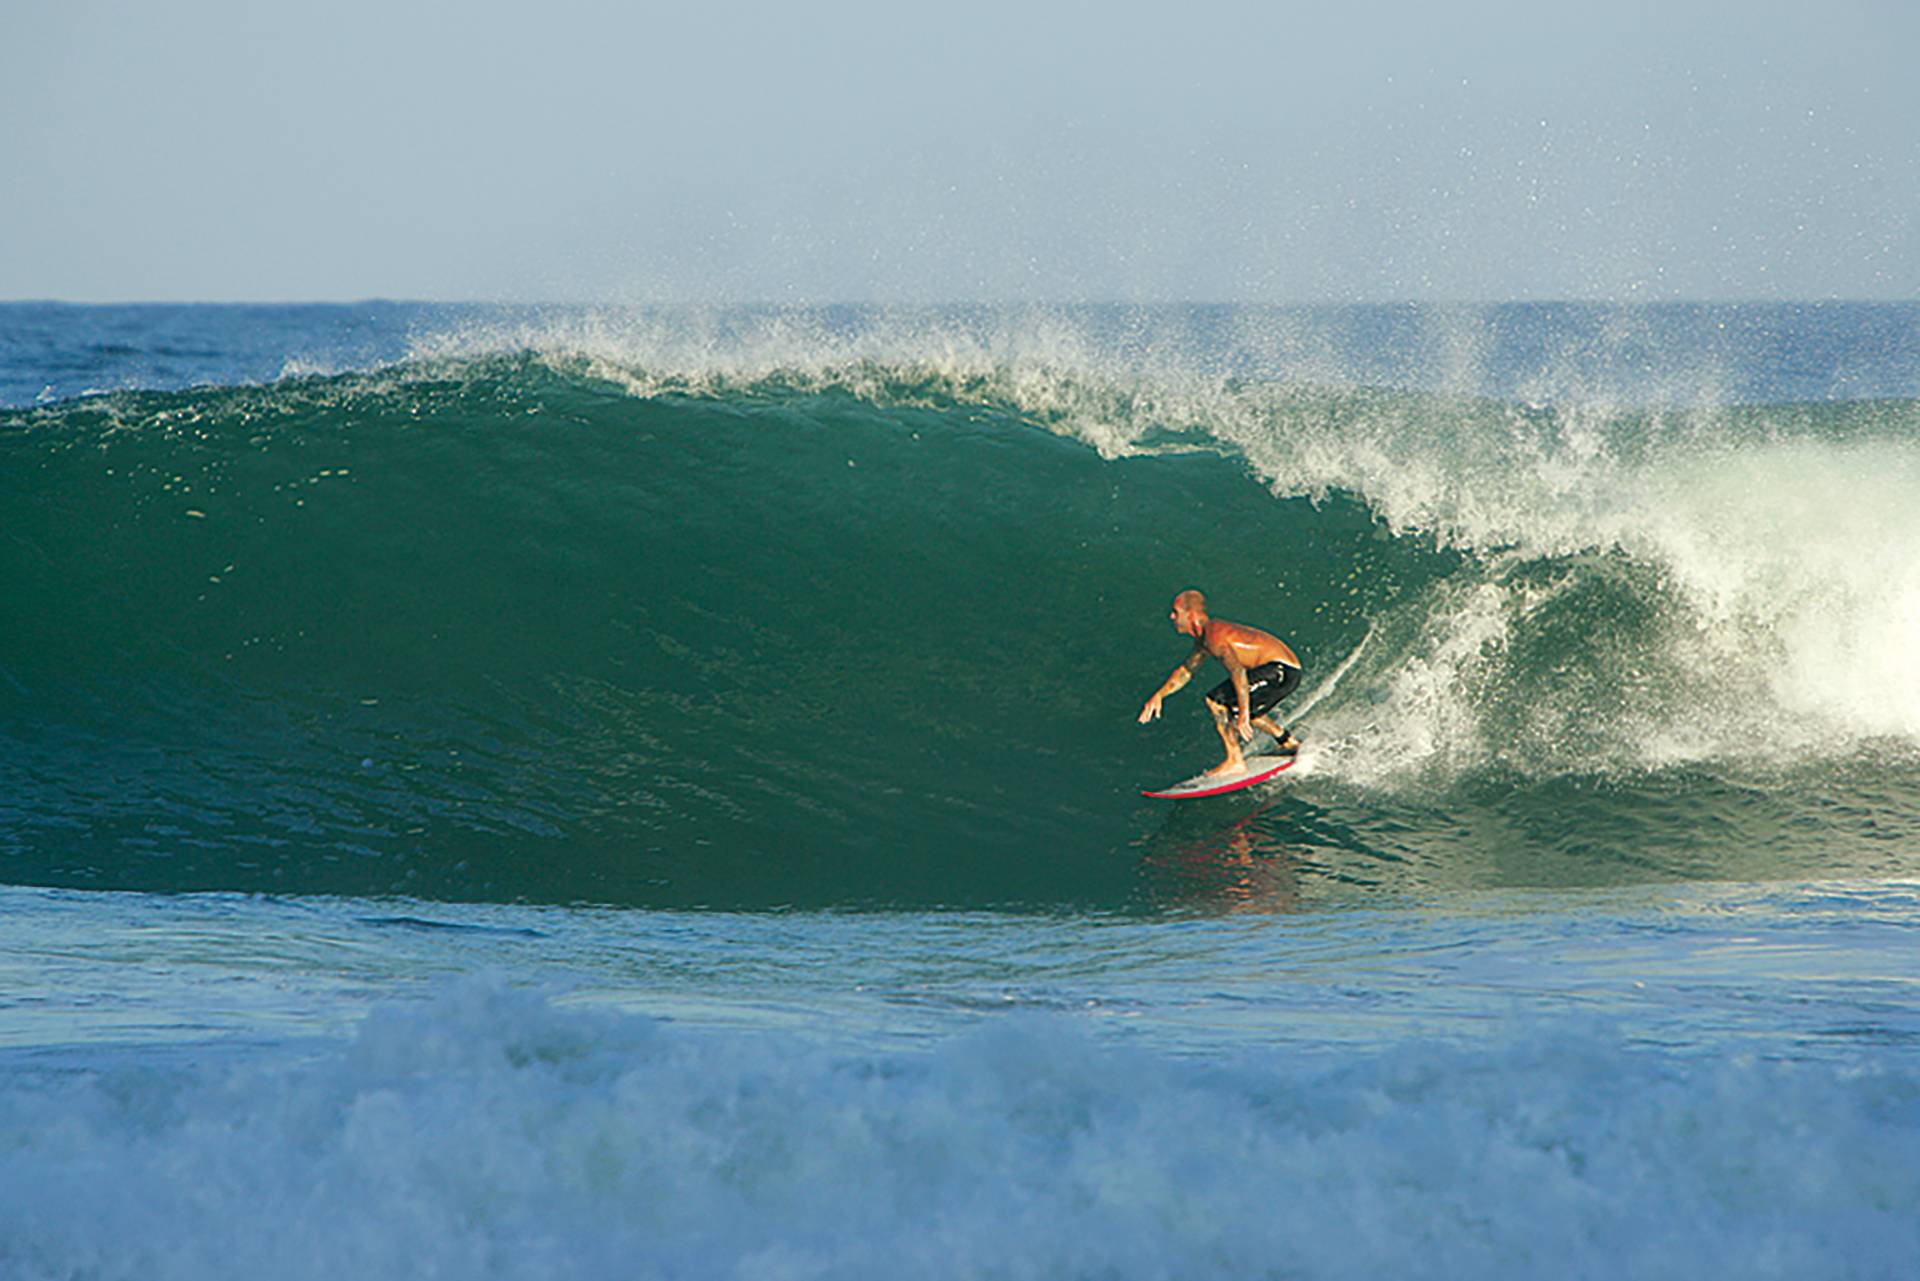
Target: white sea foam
{"x": 1809, "y": 551}
{"x": 488, "y": 1134}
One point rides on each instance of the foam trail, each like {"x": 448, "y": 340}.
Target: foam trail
{"x": 1311, "y": 753}
{"x": 1332, "y": 682}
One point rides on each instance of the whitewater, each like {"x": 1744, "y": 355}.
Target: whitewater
{"x": 513, "y": 792}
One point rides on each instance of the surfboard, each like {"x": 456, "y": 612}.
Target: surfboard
{"x": 1258, "y": 770}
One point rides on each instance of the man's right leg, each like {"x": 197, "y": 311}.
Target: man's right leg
{"x": 1223, "y": 721}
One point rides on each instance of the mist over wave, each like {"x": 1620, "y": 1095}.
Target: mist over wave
{"x": 748, "y": 608}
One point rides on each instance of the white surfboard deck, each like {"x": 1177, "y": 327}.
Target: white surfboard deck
{"x": 1258, "y": 770}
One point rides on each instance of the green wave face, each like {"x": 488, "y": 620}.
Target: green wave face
{"x": 523, "y": 627}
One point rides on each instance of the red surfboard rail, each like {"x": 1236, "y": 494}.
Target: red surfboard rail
{"x": 1263, "y": 769}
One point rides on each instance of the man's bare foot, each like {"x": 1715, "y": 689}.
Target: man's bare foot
{"x": 1225, "y": 768}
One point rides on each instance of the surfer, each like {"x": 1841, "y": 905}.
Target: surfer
{"x": 1261, "y": 670}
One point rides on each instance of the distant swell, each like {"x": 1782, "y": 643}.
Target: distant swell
{"x": 549, "y": 624}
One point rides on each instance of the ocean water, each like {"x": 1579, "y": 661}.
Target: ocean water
{"x": 562, "y": 792}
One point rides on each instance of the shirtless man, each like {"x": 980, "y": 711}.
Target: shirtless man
{"x": 1261, "y": 670}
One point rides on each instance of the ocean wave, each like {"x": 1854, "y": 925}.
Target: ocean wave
{"x": 1780, "y": 528}
{"x": 555, "y": 622}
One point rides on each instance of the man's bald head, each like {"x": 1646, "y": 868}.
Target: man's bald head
{"x": 1190, "y": 612}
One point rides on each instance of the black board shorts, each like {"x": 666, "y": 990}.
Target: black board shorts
{"x": 1267, "y": 684}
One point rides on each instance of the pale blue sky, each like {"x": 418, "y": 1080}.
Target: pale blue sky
{"x": 580, "y": 149}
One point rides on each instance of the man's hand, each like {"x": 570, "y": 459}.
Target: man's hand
{"x": 1151, "y": 711}
{"x": 1245, "y": 726}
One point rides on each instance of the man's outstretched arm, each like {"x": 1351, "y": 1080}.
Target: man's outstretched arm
{"x": 1181, "y": 675}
